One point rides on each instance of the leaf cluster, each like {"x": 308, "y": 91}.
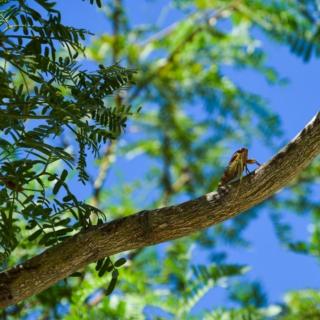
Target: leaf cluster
{"x": 45, "y": 92}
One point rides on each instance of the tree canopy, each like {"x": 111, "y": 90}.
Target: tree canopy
{"x": 56, "y": 107}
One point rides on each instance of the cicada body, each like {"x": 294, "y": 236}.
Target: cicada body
{"x": 236, "y": 166}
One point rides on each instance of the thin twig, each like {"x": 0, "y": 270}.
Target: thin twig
{"x": 106, "y": 159}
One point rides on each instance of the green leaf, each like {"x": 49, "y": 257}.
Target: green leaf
{"x": 105, "y": 267}
{"x": 68, "y": 198}
{"x": 120, "y": 262}
{"x": 112, "y": 283}
{"x": 35, "y": 235}
{"x": 99, "y": 264}
{"x": 60, "y": 182}
{"x": 63, "y": 222}
{"x": 76, "y": 274}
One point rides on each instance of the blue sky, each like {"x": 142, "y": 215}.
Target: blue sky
{"x": 296, "y": 103}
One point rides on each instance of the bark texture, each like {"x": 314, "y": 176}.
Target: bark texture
{"x": 150, "y": 227}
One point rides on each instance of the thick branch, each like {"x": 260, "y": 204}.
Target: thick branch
{"x": 154, "y": 226}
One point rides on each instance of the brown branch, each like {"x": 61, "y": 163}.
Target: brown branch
{"x": 106, "y": 161}
{"x": 150, "y": 227}
{"x": 166, "y": 178}
{"x": 110, "y": 149}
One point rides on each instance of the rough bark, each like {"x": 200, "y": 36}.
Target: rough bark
{"x": 150, "y": 227}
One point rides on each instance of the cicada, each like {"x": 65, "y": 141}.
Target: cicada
{"x": 236, "y": 166}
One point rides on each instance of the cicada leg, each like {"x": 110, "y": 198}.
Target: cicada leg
{"x": 240, "y": 168}
{"x": 251, "y": 161}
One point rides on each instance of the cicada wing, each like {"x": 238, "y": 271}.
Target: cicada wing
{"x": 234, "y": 169}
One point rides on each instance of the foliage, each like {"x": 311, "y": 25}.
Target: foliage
{"x": 193, "y": 115}
{"x": 46, "y": 92}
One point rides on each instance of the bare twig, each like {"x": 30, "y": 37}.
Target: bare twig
{"x": 103, "y": 170}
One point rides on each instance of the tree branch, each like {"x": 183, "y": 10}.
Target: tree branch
{"x": 150, "y": 227}
{"x": 110, "y": 149}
